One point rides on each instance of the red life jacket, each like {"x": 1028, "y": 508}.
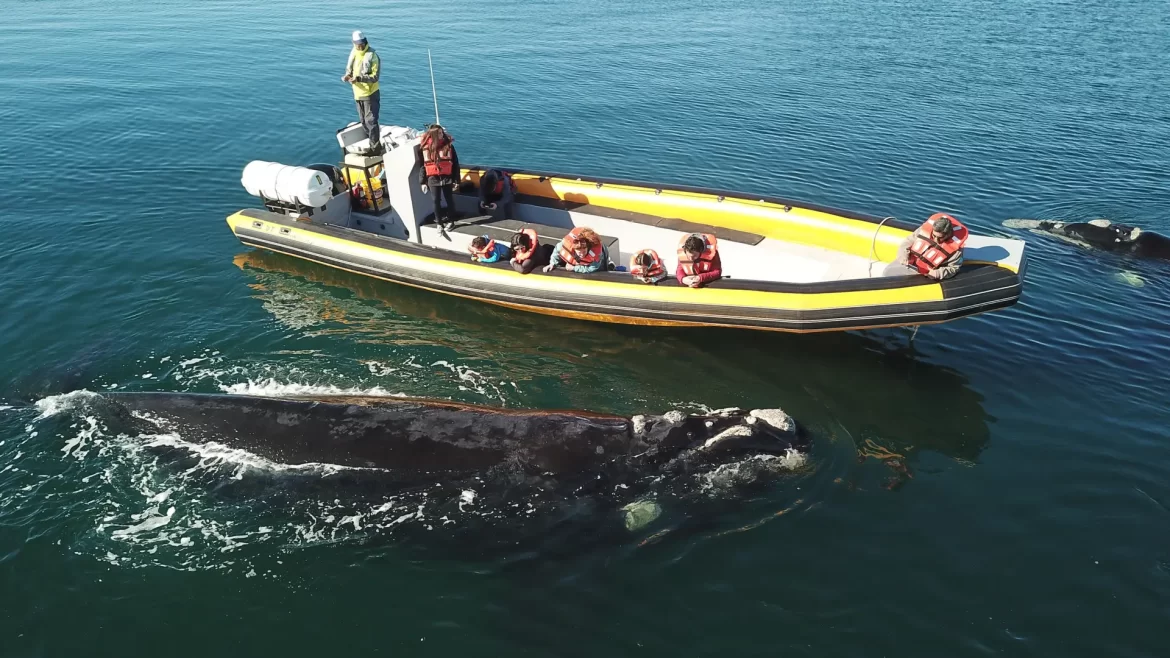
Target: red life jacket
{"x": 566, "y": 250}
{"x": 519, "y": 255}
{"x": 654, "y": 270}
{"x": 503, "y": 178}
{"x": 444, "y": 156}
{"x": 926, "y": 254}
{"x": 706, "y": 260}
{"x": 486, "y": 252}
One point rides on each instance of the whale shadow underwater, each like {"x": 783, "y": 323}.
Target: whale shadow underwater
{"x": 489, "y": 481}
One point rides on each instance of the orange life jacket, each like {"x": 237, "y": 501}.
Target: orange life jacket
{"x": 926, "y": 254}
{"x": 486, "y": 252}
{"x": 566, "y": 249}
{"x": 706, "y": 260}
{"x": 444, "y": 156}
{"x": 654, "y": 270}
{"x": 519, "y": 255}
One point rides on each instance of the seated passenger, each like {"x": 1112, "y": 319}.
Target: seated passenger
{"x": 486, "y": 250}
{"x": 935, "y": 250}
{"x": 580, "y": 251}
{"x": 647, "y": 267}
{"x": 698, "y": 260}
{"x": 527, "y": 252}
{"x": 495, "y": 194}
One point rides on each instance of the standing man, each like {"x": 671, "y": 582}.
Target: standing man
{"x": 362, "y": 71}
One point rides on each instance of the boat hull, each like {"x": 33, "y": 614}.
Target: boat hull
{"x": 618, "y": 298}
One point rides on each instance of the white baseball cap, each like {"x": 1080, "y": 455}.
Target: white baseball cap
{"x": 358, "y": 36}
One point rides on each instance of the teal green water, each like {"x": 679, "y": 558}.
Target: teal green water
{"x": 1030, "y": 516}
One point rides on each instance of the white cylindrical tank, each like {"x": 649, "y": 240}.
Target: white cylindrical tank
{"x": 272, "y": 180}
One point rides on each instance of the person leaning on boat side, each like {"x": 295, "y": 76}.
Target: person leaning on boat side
{"x": 935, "y": 250}
{"x": 362, "y": 72}
{"x": 698, "y": 260}
{"x": 438, "y": 169}
{"x": 486, "y": 250}
{"x": 527, "y": 252}
{"x": 647, "y": 267}
{"x": 581, "y": 251}
{"x": 496, "y": 194}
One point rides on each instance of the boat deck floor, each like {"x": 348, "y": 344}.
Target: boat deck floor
{"x": 765, "y": 260}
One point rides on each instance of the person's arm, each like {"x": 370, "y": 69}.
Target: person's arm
{"x": 680, "y": 274}
{"x": 418, "y": 162}
{"x": 714, "y": 274}
{"x": 555, "y": 260}
{"x": 499, "y": 252}
{"x": 948, "y": 268}
{"x": 373, "y": 72}
{"x": 595, "y": 266}
{"x": 348, "y": 68}
{"x": 903, "y": 257}
{"x": 455, "y": 171}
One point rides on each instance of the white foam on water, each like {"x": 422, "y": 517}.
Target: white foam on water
{"x": 474, "y": 380}
{"x": 275, "y": 389}
{"x": 85, "y": 436}
{"x": 56, "y": 404}
{"x": 466, "y": 497}
{"x": 379, "y": 369}
{"x": 213, "y": 454}
{"x": 726, "y": 477}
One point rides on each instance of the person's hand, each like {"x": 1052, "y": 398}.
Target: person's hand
{"x": 490, "y": 206}
{"x": 346, "y": 78}
{"x": 549, "y": 267}
{"x": 688, "y": 280}
{"x": 694, "y": 283}
{"x": 424, "y": 188}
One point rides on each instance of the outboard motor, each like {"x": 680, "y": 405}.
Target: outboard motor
{"x": 297, "y": 191}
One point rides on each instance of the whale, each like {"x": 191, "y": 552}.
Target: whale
{"x": 1102, "y": 234}
{"x": 419, "y": 439}
{"x": 469, "y": 479}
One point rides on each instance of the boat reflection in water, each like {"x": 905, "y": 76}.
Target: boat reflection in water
{"x": 854, "y": 389}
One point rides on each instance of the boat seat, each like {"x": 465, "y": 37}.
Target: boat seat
{"x": 669, "y": 223}
{"x": 504, "y": 229}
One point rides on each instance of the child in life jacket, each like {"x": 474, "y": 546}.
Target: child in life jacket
{"x": 486, "y": 250}
{"x": 698, "y": 260}
{"x": 527, "y": 252}
{"x": 581, "y": 251}
{"x": 647, "y": 267}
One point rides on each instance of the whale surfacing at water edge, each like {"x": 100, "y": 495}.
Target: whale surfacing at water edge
{"x": 477, "y": 482}
{"x": 417, "y": 440}
{"x": 1101, "y": 234}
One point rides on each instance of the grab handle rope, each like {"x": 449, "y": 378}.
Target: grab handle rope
{"x": 873, "y": 243}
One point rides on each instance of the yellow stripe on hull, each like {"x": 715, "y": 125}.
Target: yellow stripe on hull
{"x": 536, "y": 284}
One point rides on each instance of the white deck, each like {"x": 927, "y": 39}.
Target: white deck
{"x": 769, "y": 260}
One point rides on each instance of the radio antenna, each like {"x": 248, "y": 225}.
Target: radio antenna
{"x": 434, "y": 95}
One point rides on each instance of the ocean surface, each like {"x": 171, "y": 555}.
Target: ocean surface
{"x": 1000, "y": 487}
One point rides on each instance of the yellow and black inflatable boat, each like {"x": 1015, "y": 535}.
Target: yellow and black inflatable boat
{"x": 788, "y": 266}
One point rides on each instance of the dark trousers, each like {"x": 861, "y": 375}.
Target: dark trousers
{"x": 368, "y": 113}
{"x": 539, "y": 259}
{"x": 449, "y": 195}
